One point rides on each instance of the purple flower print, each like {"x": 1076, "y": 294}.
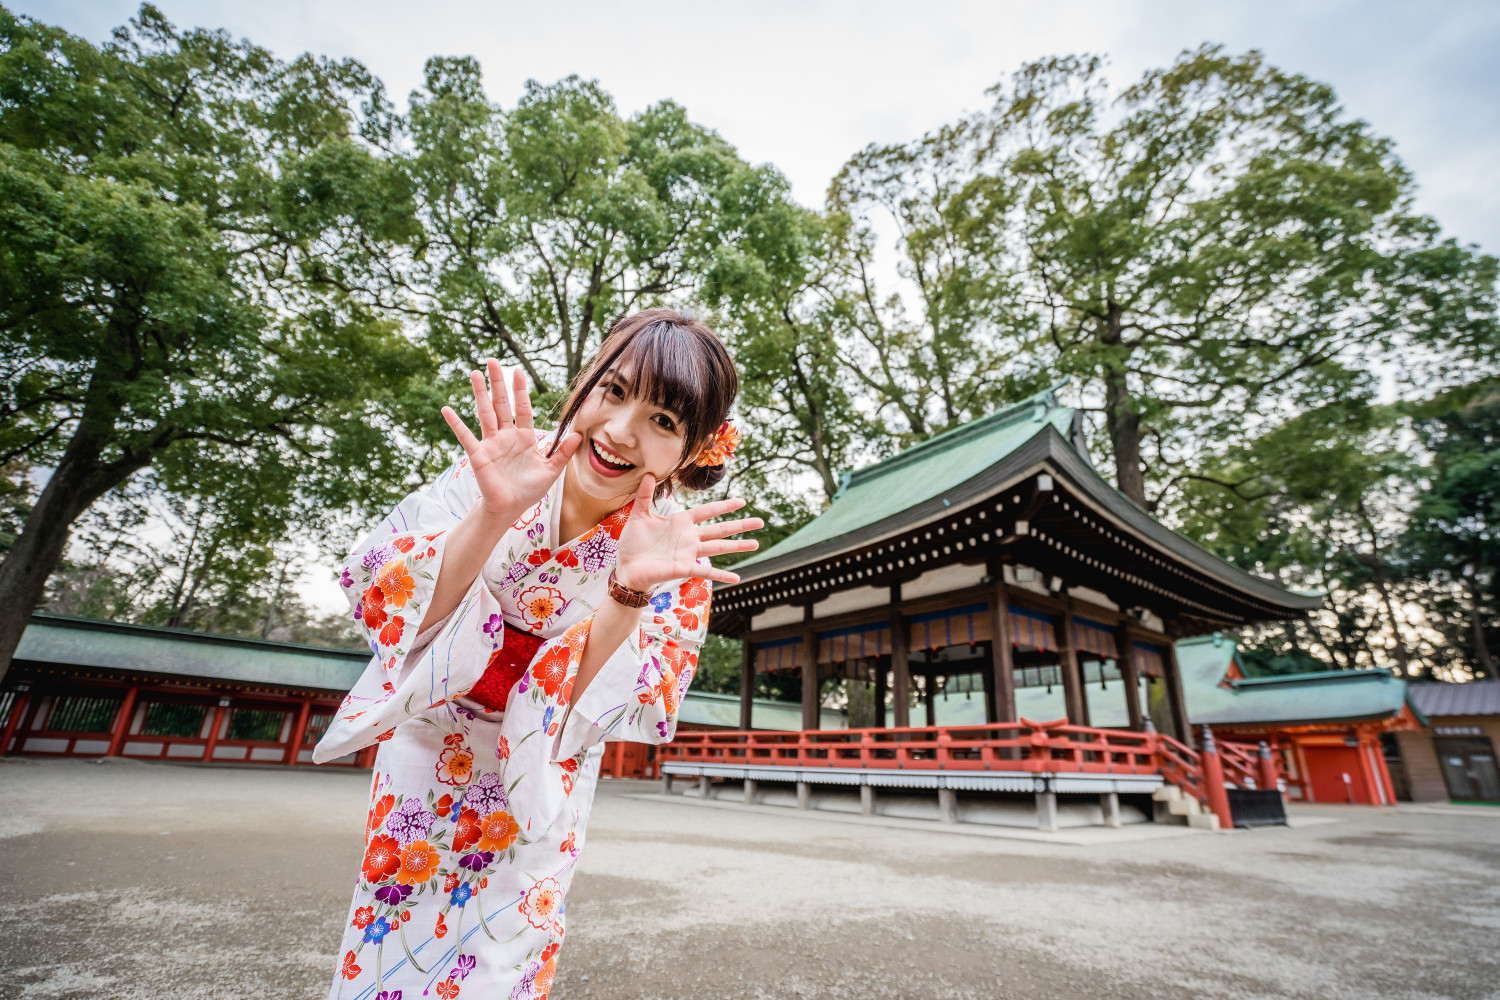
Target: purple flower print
{"x": 394, "y": 895}
{"x": 661, "y": 727}
{"x": 518, "y": 571}
{"x": 596, "y": 553}
{"x": 476, "y": 862}
{"x": 388, "y": 995}
{"x": 522, "y": 990}
{"x": 493, "y": 626}
{"x": 465, "y": 966}
{"x": 345, "y": 580}
{"x": 411, "y": 821}
{"x": 378, "y": 556}
{"x": 486, "y": 794}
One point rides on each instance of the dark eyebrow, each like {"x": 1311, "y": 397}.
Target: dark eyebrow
{"x": 629, "y": 387}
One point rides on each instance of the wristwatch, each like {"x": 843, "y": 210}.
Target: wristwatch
{"x": 624, "y": 595}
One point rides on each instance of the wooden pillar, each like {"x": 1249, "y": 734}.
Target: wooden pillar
{"x": 1385, "y": 774}
{"x": 299, "y": 732}
{"x": 17, "y": 709}
{"x": 747, "y": 684}
{"x": 1002, "y": 661}
{"x": 221, "y": 710}
{"x": 882, "y": 683}
{"x": 1068, "y": 665}
{"x": 1130, "y": 677}
{"x": 900, "y": 662}
{"x": 1176, "y": 700}
{"x": 122, "y": 722}
{"x": 811, "y": 716}
{"x": 929, "y": 688}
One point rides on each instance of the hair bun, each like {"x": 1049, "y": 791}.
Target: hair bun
{"x": 701, "y": 477}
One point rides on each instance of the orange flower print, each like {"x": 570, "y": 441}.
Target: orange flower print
{"x": 541, "y": 903}
{"x": 419, "y": 863}
{"x": 539, "y": 556}
{"x": 692, "y": 592}
{"x": 385, "y": 735}
{"x": 382, "y": 858}
{"x": 668, "y": 688}
{"x": 372, "y": 607}
{"x": 544, "y": 978}
{"x": 687, "y": 620}
{"x": 390, "y": 632}
{"x": 453, "y": 740}
{"x": 567, "y": 844}
{"x": 441, "y": 928}
{"x": 451, "y": 882}
{"x": 502, "y": 749}
{"x": 447, "y": 989}
{"x": 577, "y": 637}
{"x": 466, "y": 831}
{"x": 549, "y": 951}
{"x": 443, "y": 805}
{"x": 378, "y": 811}
{"x": 396, "y": 583}
{"x": 362, "y": 917}
{"x": 529, "y": 516}
{"x": 539, "y": 605}
{"x": 498, "y": 832}
{"x": 551, "y": 670}
{"x": 566, "y": 557}
{"x": 405, "y": 543}
{"x": 455, "y": 765}
{"x": 350, "y": 970}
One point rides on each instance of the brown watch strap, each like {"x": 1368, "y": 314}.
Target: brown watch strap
{"x": 622, "y": 594}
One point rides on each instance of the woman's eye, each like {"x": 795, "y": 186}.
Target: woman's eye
{"x": 666, "y": 422}
{"x": 611, "y": 389}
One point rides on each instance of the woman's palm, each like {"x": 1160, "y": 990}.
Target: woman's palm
{"x": 655, "y": 549}
{"x": 511, "y": 470}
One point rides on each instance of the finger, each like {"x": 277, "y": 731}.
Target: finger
{"x": 719, "y": 548}
{"x": 712, "y": 510}
{"x": 460, "y": 430}
{"x": 499, "y": 399}
{"x": 565, "y": 451}
{"x": 644, "y": 494}
{"x": 714, "y": 573}
{"x": 723, "y": 529}
{"x": 482, "y": 406}
{"x": 523, "y": 401}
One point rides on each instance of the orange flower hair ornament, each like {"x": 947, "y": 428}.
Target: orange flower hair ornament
{"x": 720, "y": 448}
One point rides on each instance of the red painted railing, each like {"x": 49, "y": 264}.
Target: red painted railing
{"x": 1005, "y": 746}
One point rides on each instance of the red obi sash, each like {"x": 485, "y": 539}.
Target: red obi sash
{"x": 506, "y": 666}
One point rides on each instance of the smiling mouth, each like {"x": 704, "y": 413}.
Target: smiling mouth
{"x": 609, "y": 461}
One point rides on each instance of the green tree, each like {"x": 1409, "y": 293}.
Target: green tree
{"x": 170, "y": 204}
{"x": 1452, "y": 541}
{"x": 1215, "y": 243}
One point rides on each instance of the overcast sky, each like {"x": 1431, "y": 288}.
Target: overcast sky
{"x": 804, "y": 85}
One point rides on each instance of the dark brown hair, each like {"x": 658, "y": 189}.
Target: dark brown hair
{"x": 677, "y": 363}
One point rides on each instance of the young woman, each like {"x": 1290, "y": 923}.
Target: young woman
{"x": 544, "y": 592}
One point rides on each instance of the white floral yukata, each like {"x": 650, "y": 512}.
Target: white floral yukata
{"x": 477, "y": 818}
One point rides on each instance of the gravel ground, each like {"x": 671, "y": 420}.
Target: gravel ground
{"x": 132, "y": 880}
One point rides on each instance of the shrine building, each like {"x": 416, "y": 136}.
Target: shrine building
{"x": 989, "y": 560}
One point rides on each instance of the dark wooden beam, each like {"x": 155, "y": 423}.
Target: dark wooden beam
{"x": 900, "y": 662}
{"x": 747, "y": 682}
{"x": 812, "y": 717}
{"x": 1130, "y": 677}
{"x": 1176, "y": 700}
{"x": 1002, "y": 663}
{"x": 1067, "y": 658}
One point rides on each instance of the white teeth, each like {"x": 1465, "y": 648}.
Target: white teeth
{"x": 617, "y": 463}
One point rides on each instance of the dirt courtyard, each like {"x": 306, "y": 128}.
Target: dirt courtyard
{"x": 132, "y": 880}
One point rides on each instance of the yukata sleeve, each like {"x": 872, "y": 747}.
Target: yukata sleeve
{"x": 637, "y": 692}
{"x": 389, "y": 580}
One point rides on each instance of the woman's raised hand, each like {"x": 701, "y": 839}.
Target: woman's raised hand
{"x": 655, "y": 549}
{"x": 512, "y": 473}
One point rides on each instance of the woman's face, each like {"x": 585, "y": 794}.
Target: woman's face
{"x": 624, "y": 437}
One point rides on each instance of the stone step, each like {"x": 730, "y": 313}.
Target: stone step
{"x": 1184, "y": 807}
{"x": 1167, "y": 793}
{"x": 1203, "y": 821}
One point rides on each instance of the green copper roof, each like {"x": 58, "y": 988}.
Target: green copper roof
{"x": 702, "y": 708}
{"x": 1330, "y": 695}
{"x": 85, "y": 642}
{"x": 923, "y": 472}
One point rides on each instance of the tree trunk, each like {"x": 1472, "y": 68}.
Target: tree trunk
{"x": 1476, "y": 631}
{"x": 1122, "y": 419}
{"x": 79, "y": 479}
{"x": 1377, "y": 573}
